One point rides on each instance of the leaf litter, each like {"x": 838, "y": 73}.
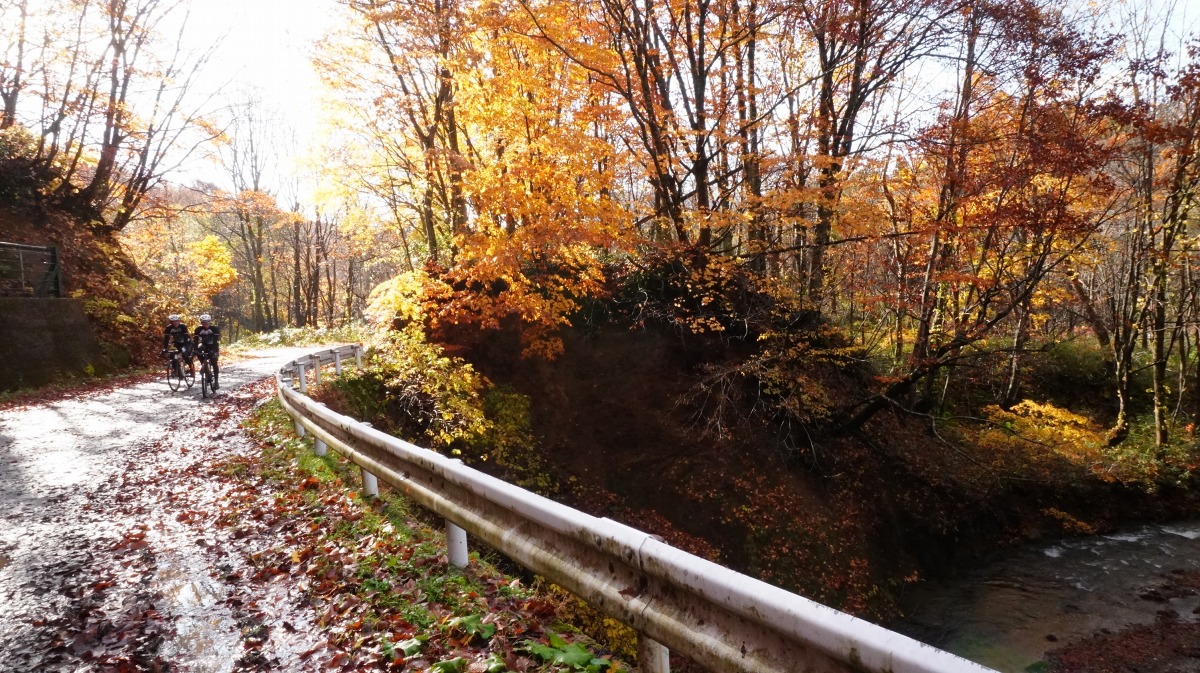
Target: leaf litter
{"x": 201, "y": 550}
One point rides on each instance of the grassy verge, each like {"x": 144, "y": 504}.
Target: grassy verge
{"x": 298, "y": 336}
{"x": 376, "y": 575}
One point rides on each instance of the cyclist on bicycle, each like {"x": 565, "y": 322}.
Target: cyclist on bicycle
{"x": 176, "y": 334}
{"x": 208, "y": 345}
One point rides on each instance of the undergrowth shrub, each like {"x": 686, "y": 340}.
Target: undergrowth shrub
{"x": 301, "y": 336}
{"x": 508, "y": 442}
{"x": 620, "y": 639}
{"x": 412, "y": 389}
{"x": 1046, "y": 442}
{"x": 1137, "y": 460}
{"x": 763, "y": 353}
{"x": 1038, "y": 440}
{"x": 1078, "y": 374}
{"x": 696, "y": 293}
{"x": 21, "y": 175}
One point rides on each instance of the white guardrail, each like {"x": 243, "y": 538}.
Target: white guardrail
{"x": 719, "y": 618}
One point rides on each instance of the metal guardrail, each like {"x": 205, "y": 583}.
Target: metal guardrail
{"x": 722, "y": 619}
{"x": 29, "y": 271}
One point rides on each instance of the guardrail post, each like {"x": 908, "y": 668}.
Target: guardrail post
{"x": 456, "y": 545}
{"x": 300, "y": 376}
{"x": 370, "y": 483}
{"x": 358, "y": 356}
{"x": 337, "y": 363}
{"x": 316, "y": 369}
{"x": 319, "y": 446}
{"x": 300, "y": 431}
{"x": 652, "y": 656}
{"x": 52, "y": 282}
{"x": 456, "y": 540}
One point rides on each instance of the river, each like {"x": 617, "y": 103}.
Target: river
{"x": 1009, "y": 612}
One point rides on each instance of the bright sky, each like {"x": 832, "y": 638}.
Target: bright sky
{"x": 265, "y": 49}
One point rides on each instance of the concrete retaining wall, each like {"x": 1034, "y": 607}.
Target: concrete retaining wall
{"x": 43, "y": 340}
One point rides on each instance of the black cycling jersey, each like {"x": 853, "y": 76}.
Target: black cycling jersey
{"x": 208, "y": 338}
{"x": 177, "y": 334}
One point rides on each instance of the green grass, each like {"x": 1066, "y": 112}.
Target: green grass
{"x": 376, "y": 567}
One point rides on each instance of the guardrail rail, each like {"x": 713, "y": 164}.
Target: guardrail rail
{"x": 719, "y": 618}
{"x": 29, "y": 271}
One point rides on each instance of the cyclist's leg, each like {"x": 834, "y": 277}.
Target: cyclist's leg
{"x": 216, "y": 371}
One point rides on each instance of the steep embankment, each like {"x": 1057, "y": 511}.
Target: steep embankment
{"x": 95, "y": 270}
{"x": 702, "y": 402}
{"x": 626, "y": 425}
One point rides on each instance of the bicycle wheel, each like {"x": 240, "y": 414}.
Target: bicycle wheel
{"x": 189, "y": 374}
{"x": 205, "y": 380}
{"x": 174, "y": 376}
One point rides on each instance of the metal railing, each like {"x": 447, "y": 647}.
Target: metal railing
{"x": 29, "y": 271}
{"x": 719, "y": 618}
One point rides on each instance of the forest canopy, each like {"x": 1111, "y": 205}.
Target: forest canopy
{"x": 939, "y": 179}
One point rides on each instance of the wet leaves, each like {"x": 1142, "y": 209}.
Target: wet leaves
{"x": 103, "y": 555}
{"x": 378, "y": 582}
{"x": 83, "y": 389}
{"x": 297, "y": 572}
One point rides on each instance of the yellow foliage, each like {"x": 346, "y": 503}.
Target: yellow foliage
{"x": 210, "y": 265}
{"x": 1069, "y": 523}
{"x": 188, "y": 268}
{"x": 1040, "y": 434}
{"x": 609, "y": 632}
{"x": 405, "y": 297}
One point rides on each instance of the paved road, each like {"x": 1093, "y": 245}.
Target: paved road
{"x": 101, "y": 566}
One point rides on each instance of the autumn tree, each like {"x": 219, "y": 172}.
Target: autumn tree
{"x": 941, "y": 216}
{"x": 861, "y": 48}
{"x": 13, "y": 73}
{"x": 1138, "y": 291}
{"x": 410, "y": 49}
{"x": 1008, "y": 186}
{"x": 687, "y": 75}
{"x": 113, "y": 111}
{"x": 188, "y": 265}
{"x": 487, "y": 175}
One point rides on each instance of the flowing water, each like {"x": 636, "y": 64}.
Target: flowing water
{"x": 1008, "y": 613}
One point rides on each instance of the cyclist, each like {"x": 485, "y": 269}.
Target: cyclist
{"x": 176, "y": 333}
{"x": 207, "y": 340}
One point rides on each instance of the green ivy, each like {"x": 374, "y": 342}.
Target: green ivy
{"x": 574, "y": 656}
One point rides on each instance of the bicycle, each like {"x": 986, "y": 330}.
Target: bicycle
{"x": 206, "y": 377}
{"x": 177, "y": 375}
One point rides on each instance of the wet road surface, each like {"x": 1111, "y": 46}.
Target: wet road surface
{"x": 108, "y": 561}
